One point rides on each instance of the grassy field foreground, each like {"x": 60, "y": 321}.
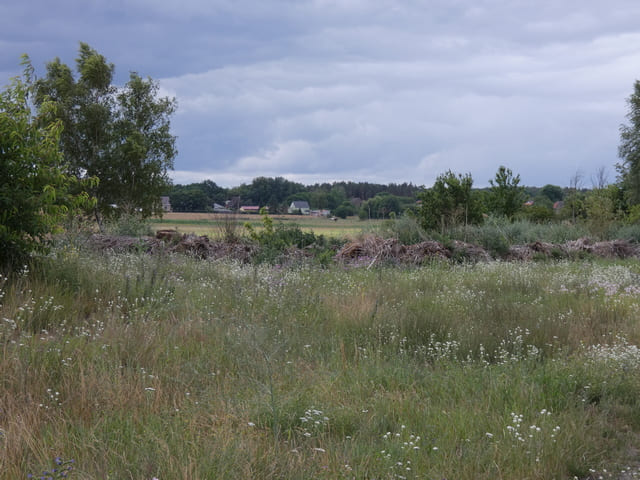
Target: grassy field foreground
{"x": 137, "y": 367}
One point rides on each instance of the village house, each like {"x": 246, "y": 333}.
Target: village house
{"x": 299, "y": 206}
{"x": 166, "y": 203}
{"x": 249, "y": 209}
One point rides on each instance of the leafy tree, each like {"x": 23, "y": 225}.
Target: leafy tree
{"x": 506, "y": 196}
{"x": 449, "y": 202}
{"x": 629, "y": 150}
{"x": 380, "y": 206}
{"x": 344, "y": 210}
{"x": 189, "y": 198}
{"x": 539, "y": 212}
{"x": 120, "y": 135}
{"x": 553, "y": 193}
{"x": 34, "y": 182}
{"x": 603, "y": 207}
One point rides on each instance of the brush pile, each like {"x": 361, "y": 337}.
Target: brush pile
{"x": 369, "y": 251}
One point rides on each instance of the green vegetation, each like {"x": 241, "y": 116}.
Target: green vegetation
{"x": 119, "y": 135}
{"x": 449, "y": 203}
{"x": 629, "y": 150}
{"x": 166, "y": 366}
{"x": 36, "y": 191}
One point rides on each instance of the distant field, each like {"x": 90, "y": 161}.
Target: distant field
{"x": 210, "y": 223}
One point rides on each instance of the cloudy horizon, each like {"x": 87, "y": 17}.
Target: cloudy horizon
{"x": 387, "y": 91}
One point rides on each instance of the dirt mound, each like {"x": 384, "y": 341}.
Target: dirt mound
{"x": 371, "y": 250}
{"x": 469, "y": 252}
{"x": 609, "y": 249}
{"x": 536, "y": 250}
{"x": 172, "y": 241}
{"x": 416, "y": 254}
{"x": 377, "y": 250}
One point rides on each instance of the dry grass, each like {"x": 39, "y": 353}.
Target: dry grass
{"x": 173, "y": 367}
{"x": 209, "y": 223}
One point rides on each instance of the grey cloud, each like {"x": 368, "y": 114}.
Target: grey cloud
{"x": 351, "y": 89}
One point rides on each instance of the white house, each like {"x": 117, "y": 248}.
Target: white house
{"x": 166, "y": 203}
{"x": 299, "y": 206}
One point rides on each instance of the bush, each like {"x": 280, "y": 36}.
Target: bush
{"x": 405, "y": 228}
{"x": 129, "y": 225}
{"x": 34, "y": 186}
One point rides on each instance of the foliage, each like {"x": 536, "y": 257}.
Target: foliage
{"x": 629, "y": 149}
{"x": 506, "y": 196}
{"x": 119, "y": 135}
{"x": 498, "y": 230}
{"x": 380, "y": 206}
{"x": 553, "y": 193}
{"x": 405, "y": 228}
{"x": 196, "y": 197}
{"x": 344, "y": 210}
{"x": 128, "y": 224}
{"x": 276, "y": 238}
{"x": 149, "y": 364}
{"x": 604, "y": 206}
{"x": 538, "y": 213}
{"x": 62, "y": 469}
{"x": 35, "y": 187}
{"x": 450, "y": 202}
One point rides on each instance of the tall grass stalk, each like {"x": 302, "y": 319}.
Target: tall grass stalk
{"x": 171, "y": 367}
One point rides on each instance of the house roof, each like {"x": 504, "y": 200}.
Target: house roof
{"x": 300, "y": 204}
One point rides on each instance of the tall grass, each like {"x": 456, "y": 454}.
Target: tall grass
{"x": 171, "y": 367}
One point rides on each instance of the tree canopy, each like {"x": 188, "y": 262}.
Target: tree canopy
{"x": 35, "y": 184}
{"x": 119, "y": 135}
{"x": 629, "y": 149}
{"x": 506, "y": 195}
{"x": 450, "y": 202}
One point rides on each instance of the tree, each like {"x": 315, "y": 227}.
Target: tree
{"x": 120, "y": 135}
{"x": 629, "y": 149}
{"x": 449, "y": 202}
{"x": 35, "y": 185}
{"x": 506, "y": 196}
{"x": 553, "y": 193}
{"x": 575, "y": 198}
{"x": 603, "y": 207}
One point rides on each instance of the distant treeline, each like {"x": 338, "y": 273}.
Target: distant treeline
{"x": 368, "y": 200}
{"x": 278, "y": 193}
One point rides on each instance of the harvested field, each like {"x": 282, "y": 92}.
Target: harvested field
{"x": 210, "y": 224}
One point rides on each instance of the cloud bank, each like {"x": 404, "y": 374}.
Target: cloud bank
{"x": 386, "y": 91}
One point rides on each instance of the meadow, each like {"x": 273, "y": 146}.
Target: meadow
{"x": 212, "y": 224}
{"x": 134, "y": 366}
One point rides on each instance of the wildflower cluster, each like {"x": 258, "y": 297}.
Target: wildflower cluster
{"x": 401, "y": 449}
{"x": 621, "y": 356}
{"x": 62, "y": 470}
{"x": 313, "y": 422}
{"x": 533, "y": 437}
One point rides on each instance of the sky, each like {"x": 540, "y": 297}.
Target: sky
{"x": 379, "y": 91}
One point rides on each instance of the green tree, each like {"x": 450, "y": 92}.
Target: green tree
{"x": 603, "y": 206}
{"x": 629, "y": 150}
{"x": 120, "y": 135}
{"x": 553, "y": 193}
{"x": 380, "y": 206}
{"x": 506, "y": 197}
{"x": 35, "y": 186}
{"x": 449, "y": 202}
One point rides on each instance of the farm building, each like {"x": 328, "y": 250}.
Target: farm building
{"x": 166, "y": 203}
{"x": 299, "y": 206}
{"x": 249, "y": 209}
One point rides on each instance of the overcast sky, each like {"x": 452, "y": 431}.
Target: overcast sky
{"x": 380, "y": 91}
